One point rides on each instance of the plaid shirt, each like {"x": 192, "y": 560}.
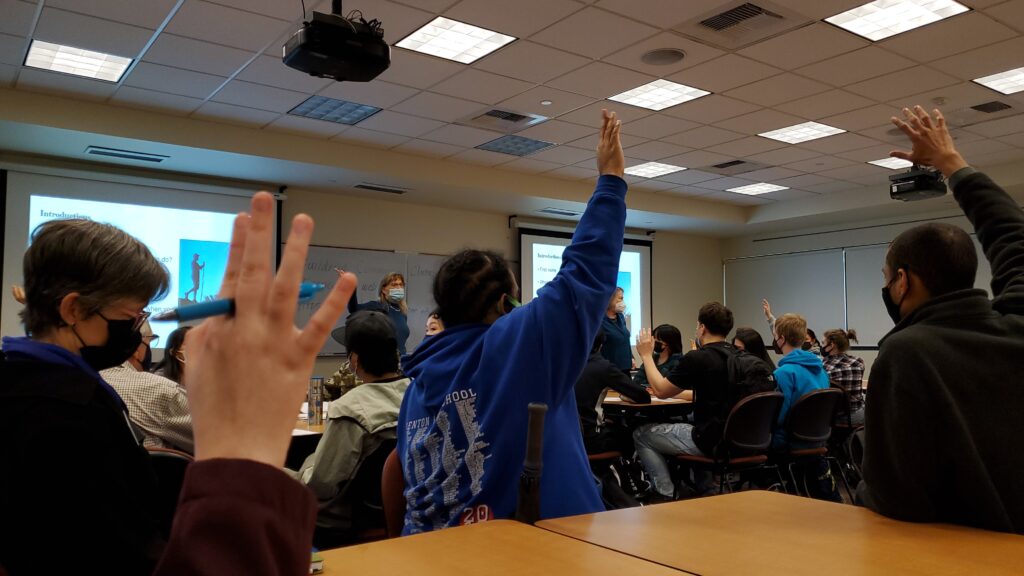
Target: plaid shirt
{"x": 156, "y": 405}
{"x": 847, "y": 372}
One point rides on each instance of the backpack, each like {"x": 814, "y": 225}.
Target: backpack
{"x": 747, "y": 374}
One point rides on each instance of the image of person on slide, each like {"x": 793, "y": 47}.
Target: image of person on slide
{"x": 196, "y": 269}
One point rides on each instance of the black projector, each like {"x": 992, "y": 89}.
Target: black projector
{"x": 331, "y": 46}
{"x": 917, "y": 184}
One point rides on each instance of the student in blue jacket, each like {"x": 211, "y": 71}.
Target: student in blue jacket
{"x": 462, "y": 426}
{"x": 799, "y": 371}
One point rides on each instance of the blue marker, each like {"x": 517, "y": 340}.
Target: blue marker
{"x": 223, "y": 306}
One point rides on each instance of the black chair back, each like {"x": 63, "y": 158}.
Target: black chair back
{"x": 750, "y": 422}
{"x": 169, "y": 466}
{"x": 810, "y": 417}
{"x": 392, "y": 488}
{"x": 366, "y": 491}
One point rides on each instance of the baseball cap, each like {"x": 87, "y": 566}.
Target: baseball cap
{"x": 369, "y": 330}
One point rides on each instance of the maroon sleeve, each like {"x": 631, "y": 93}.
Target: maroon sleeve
{"x": 240, "y": 516}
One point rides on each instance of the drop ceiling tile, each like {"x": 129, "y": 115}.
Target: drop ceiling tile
{"x": 593, "y": 33}
{"x": 877, "y": 179}
{"x": 231, "y": 114}
{"x": 655, "y": 185}
{"x": 902, "y": 83}
{"x": 377, "y": 93}
{"x": 761, "y": 121}
{"x": 206, "y": 21}
{"x": 859, "y": 120}
{"x": 259, "y": 96}
{"x": 819, "y": 9}
{"x": 152, "y": 100}
{"x": 832, "y": 187}
{"x": 868, "y": 154}
{"x": 530, "y": 165}
{"x": 173, "y": 80}
{"x": 825, "y": 104}
{"x": 462, "y": 136}
{"x": 980, "y": 4}
{"x": 747, "y": 146}
{"x": 820, "y": 164}
{"x": 860, "y": 170}
{"x": 777, "y": 90}
{"x": 1010, "y": 13}
{"x": 417, "y": 70}
{"x": 439, "y": 107}
{"x": 70, "y": 29}
{"x": 839, "y": 143}
{"x": 530, "y": 62}
{"x": 17, "y": 17}
{"x": 688, "y": 191}
{"x": 590, "y": 115}
{"x": 886, "y": 133}
{"x": 703, "y": 137}
{"x": 660, "y": 13}
{"x": 948, "y": 37}
{"x": 802, "y": 181}
{"x": 481, "y": 86}
{"x": 725, "y": 183}
{"x": 557, "y": 132}
{"x": 7, "y": 74}
{"x": 370, "y": 138}
{"x": 697, "y": 159}
{"x": 520, "y": 18}
{"x": 11, "y": 49}
{"x": 270, "y": 71}
{"x": 855, "y": 66}
{"x": 482, "y": 157}
{"x": 981, "y": 147}
{"x": 573, "y": 173}
{"x": 786, "y": 155}
{"x": 950, "y": 98}
{"x": 429, "y": 149}
{"x": 401, "y": 124}
{"x": 787, "y": 195}
{"x": 189, "y": 54}
{"x": 529, "y": 102}
{"x": 721, "y": 74}
{"x": 655, "y": 150}
{"x": 688, "y": 177}
{"x": 657, "y": 126}
{"x": 590, "y": 142}
{"x": 739, "y": 199}
{"x": 981, "y": 62}
{"x": 600, "y": 80}
{"x": 564, "y": 155}
{"x": 695, "y": 52}
{"x": 274, "y": 8}
{"x": 149, "y": 14}
{"x": 804, "y": 46}
{"x": 51, "y": 82}
{"x": 434, "y": 6}
{"x": 306, "y": 126}
{"x": 399, "y": 20}
{"x": 1000, "y": 127}
{"x": 710, "y": 109}
{"x": 997, "y": 158}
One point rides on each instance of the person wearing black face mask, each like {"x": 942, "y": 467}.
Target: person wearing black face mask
{"x": 946, "y": 400}
{"x": 157, "y": 405}
{"x": 668, "y": 351}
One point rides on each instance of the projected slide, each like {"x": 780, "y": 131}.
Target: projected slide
{"x": 192, "y": 244}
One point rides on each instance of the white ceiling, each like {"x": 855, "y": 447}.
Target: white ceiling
{"x": 220, "y": 61}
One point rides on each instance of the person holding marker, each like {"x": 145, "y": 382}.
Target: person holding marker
{"x": 391, "y": 301}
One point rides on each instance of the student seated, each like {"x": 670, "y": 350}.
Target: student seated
{"x": 155, "y": 404}
{"x": 599, "y": 375}
{"x": 668, "y": 350}
{"x": 810, "y": 343}
{"x": 845, "y": 372}
{"x": 434, "y": 324}
{"x": 750, "y": 340}
{"x": 359, "y": 423}
{"x": 799, "y": 370}
{"x": 703, "y": 376}
{"x": 172, "y": 365}
{"x": 464, "y": 418}
{"x": 946, "y": 403}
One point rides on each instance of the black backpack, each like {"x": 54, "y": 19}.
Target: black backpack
{"x": 747, "y": 374}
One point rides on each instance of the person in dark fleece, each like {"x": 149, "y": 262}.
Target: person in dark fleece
{"x": 946, "y": 402}
{"x": 599, "y": 375}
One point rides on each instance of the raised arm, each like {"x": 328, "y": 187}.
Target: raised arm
{"x": 662, "y": 386}
{"x": 996, "y": 218}
{"x": 353, "y": 302}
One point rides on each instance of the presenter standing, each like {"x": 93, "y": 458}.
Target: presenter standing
{"x": 391, "y": 301}
{"x": 616, "y": 345}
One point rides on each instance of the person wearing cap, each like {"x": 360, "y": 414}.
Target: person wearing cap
{"x": 360, "y": 422}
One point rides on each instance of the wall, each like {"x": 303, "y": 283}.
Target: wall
{"x": 687, "y": 274}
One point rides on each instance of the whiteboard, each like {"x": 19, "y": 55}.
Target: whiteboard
{"x": 807, "y": 283}
{"x": 370, "y": 266}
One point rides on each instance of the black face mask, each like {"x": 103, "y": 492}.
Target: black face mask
{"x": 807, "y": 346}
{"x": 147, "y": 360}
{"x": 659, "y": 347}
{"x": 890, "y": 305}
{"x": 123, "y": 340}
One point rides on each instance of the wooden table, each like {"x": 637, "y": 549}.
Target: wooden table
{"x": 614, "y": 399}
{"x": 770, "y": 533}
{"x": 495, "y": 548}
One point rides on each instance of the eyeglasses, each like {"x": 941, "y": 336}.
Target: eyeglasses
{"x": 150, "y": 339}
{"x": 180, "y": 356}
{"x": 137, "y": 321}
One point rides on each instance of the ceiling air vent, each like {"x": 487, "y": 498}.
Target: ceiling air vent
{"x": 381, "y": 188}
{"x": 125, "y": 154}
{"x": 742, "y": 24}
{"x": 991, "y": 107}
{"x": 559, "y": 212}
{"x": 507, "y": 121}
{"x": 734, "y": 167}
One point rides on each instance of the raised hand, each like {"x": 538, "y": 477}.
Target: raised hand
{"x": 19, "y": 293}
{"x": 609, "y": 150}
{"x": 645, "y": 343}
{"x": 931, "y": 141}
{"x": 766, "y": 308}
{"x": 247, "y": 374}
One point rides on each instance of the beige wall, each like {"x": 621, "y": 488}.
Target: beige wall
{"x": 687, "y": 273}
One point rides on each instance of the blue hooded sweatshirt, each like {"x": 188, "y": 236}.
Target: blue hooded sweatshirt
{"x": 462, "y": 426}
{"x": 799, "y": 372}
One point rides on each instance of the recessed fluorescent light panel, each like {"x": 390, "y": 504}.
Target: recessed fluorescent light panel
{"x": 659, "y": 95}
{"x": 755, "y": 189}
{"x": 892, "y": 163}
{"x": 652, "y": 169}
{"x": 802, "y": 132}
{"x": 1009, "y": 82}
{"x": 515, "y": 145}
{"x": 331, "y": 110}
{"x": 75, "y": 61}
{"x": 454, "y": 40}
{"x": 884, "y": 18}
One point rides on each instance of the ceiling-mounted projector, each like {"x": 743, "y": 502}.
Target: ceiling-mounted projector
{"x": 919, "y": 183}
{"x": 333, "y": 46}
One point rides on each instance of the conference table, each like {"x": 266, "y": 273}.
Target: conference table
{"x": 631, "y": 414}
{"x": 760, "y": 532}
{"x": 495, "y": 548}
